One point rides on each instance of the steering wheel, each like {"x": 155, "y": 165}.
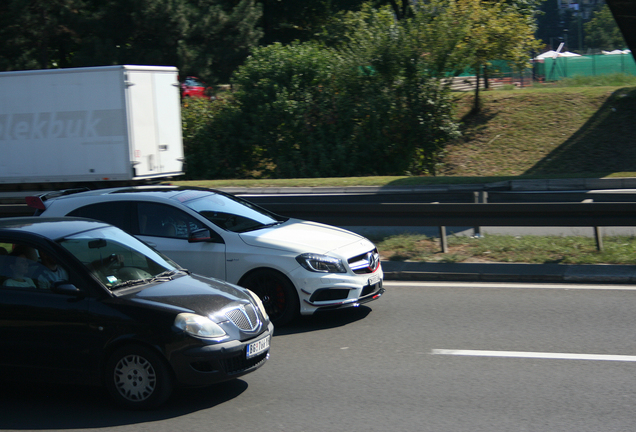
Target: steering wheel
{"x": 112, "y": 260}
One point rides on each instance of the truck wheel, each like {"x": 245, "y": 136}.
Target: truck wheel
{"x": 277, "y": 293}
{"x": 137, "y": 378}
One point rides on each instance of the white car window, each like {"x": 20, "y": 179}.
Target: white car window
{"x": 231, "y": 213}
{"x": 160, "y": 220}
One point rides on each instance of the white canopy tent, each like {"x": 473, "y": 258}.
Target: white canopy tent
{"x": 616, "y": 52}
{"x": 555, "y": 54}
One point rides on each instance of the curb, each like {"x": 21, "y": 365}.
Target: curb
{"x": 504, "y": 272}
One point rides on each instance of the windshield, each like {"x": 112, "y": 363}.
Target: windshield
{"x": 232, "y": 213}
{"x": 116, "y": 258}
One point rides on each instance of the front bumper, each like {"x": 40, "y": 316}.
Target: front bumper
{"x": 209, "y": 364}
{"x": 338, "y": 291}
{"x": 375, "y": 294}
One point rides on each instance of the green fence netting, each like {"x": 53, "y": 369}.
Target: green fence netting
{"x": 554, "y": 69}
{"x": 549, "y": 69}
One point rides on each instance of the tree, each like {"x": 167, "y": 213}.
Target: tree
{"x": 491, "y": 31}
{"x": 602, "y": 32}
{"x": 528, "y": 8}
{"x": 549, "y": 24}
{"x": 38, "y": 34}
{"x": 401, "y": 10}
{"x": 286, "y": 21}
{"x": 146, "y": 32}
{"x": 220, "y": 36}
{"x": 369, "y": 105}
{"x": 208, "y": 38}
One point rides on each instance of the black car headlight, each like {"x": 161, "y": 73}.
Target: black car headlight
{"x": 199, "y": 326}
{"x": 321, "y": 263}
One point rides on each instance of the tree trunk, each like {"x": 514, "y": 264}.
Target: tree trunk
{"x": 486, "y": 83}
{"x": 477, "y": 102}
{"x": 400, "y": 11}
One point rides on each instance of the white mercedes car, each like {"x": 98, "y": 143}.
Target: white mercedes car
{"x": 295, "y": 266}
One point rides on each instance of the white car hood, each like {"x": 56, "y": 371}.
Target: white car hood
{"x": 302, "y": 236}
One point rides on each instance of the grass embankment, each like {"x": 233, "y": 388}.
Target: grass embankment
{"x": 509, "y": 249}
{"x": 582, "y": 129}
{"x": 548, "y": 132}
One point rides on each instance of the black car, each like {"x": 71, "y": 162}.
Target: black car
{"x": 83, "y": 302}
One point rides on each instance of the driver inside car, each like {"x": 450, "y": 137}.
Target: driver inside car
{"x": 49, "y": 272}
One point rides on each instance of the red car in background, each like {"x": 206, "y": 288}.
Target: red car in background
{"x": 195, "y": 88}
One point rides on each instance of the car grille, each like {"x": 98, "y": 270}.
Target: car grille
{"x": 365, "y": 263}
{"x": 239, "y": 363}
{"x": 244, "y": 317}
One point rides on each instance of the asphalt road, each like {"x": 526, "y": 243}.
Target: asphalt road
{"x": 424, "y": 357}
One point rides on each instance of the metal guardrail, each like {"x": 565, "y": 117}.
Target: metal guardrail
{"x": 576, "y": 214}
{"x": 588, "y": 214}
{"x": 456, "y": 214}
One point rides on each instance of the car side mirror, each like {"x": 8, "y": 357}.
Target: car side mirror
{"x": 65, "y": 287}
{"x": 200, "y": 235}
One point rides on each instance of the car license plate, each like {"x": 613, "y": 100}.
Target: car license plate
{"x": 255, "y": 348}
{"x": 374, "y": 279}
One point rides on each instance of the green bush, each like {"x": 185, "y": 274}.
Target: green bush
{"x": 214, "y": 139}
{"x": 367, "y": 107}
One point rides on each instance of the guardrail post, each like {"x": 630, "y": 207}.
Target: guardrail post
{"x": 598, "y": 234}
{"x": 479, "y": 197}
{"x": 599, "y": 238}
{"x": 443, "y": 240}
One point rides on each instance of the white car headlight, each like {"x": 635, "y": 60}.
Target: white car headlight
{"x": 199, "y": 326}
{"x": 321, "y": 263}
{"x": 259, "y": 303}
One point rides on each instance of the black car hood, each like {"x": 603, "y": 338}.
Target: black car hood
{"x": 190, "y": 293}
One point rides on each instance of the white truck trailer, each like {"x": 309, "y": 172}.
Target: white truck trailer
{"x": 95, "y": 125}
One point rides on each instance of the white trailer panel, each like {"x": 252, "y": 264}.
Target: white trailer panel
{"x": 90, "y": 124}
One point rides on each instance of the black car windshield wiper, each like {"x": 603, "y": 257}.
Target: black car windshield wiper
{"x": 130, "y": 283}
{"x": 168, "y": 274}
{"x": 164, "y": 276}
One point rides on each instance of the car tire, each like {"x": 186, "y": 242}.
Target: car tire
{"x": 276, "y": 292}
{"x": 138, "y": 378}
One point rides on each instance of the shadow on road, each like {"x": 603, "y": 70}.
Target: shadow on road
{"x": 35, "y": 406}
{"x": 324, "y": 321}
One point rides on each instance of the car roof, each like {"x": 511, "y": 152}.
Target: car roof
{"x": 148, "y": 192}
{"x": 53, "y": 228}
{"x": 163, "y": 191}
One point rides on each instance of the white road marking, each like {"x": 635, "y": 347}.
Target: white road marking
{"x": 513, "y": 285}
{"x": 539, "y": 355}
